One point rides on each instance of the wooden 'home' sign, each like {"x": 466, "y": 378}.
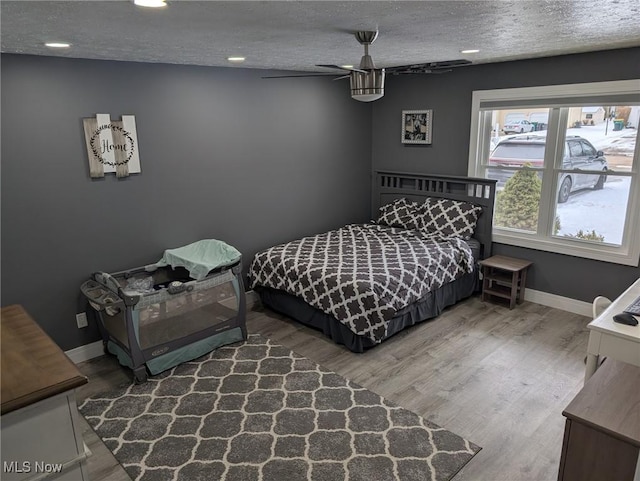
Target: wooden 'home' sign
{"x": 112, "y": 146}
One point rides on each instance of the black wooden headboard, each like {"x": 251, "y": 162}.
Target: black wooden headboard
{"x": 389, "y": 186}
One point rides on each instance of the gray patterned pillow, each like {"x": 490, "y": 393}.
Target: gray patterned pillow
{"x": 449, "y": 217}
{"x": 401, "y": 213}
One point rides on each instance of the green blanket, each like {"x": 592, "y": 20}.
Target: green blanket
{"x": 201, "y": 257}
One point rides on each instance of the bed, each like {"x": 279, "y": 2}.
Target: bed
{"x": 363, "y": 283}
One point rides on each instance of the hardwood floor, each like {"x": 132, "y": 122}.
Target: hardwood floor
{"x": 498, "y": 377}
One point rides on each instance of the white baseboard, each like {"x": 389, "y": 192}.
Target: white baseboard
{"x": 95, "y": 349}
{"x": 559, "y": 302}
{"x": 89, "y": 351}
{"x": 86, "y": 352}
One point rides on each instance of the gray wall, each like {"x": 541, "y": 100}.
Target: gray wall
{"x": 449, "y": 95}
{"x": 224, "y": 155}
{"x": 227, "y": 155}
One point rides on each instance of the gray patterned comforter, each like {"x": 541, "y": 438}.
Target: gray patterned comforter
{"x": 362, "y": 274}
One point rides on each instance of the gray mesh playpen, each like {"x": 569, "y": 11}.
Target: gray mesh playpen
{"x": 154, "y": 318}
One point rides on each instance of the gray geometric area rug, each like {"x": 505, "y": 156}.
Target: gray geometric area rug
{"x": 257, "y": 411}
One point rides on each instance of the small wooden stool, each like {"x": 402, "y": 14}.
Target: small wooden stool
{"x": 504, "y": 277}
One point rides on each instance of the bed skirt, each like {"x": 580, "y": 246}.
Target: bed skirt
{"x": 426, "y": 308}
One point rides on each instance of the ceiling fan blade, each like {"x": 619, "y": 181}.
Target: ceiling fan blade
{"x": 451, "y": 63}
{"x": 350, "y": 69}
{"x": 302, "y": 75}
{"x": 431, "y": 67}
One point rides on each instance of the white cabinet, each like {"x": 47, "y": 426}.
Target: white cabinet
{"x": 43, "y": 439}
{"x": 39, "y": 426}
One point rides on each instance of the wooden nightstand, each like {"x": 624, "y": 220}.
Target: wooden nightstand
{"x": 504, "y": 277}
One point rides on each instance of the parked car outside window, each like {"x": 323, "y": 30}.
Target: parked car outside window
{"x": 518, "y": 127}
{"x": 578, "y": 154}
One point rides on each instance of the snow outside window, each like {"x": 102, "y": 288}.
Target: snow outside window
{"x": 567, "y": 178}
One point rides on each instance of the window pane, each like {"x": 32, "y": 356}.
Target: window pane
{"x": 509, "y": 122}
{"x": 518, "y": 147}
{"x": 593, "y": 206}
{"x": 595, "y": 215}
{"x": 602, "y": 128}
{"x": 518, "y": 140}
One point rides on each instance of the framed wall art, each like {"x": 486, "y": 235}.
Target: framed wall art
{"x": 112, "y": 146}
{"x": 416, "y": 126}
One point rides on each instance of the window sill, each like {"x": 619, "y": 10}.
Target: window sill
{"x": 577, "y": 248}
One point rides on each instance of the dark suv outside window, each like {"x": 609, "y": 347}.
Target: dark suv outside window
{"x": 579, "y": 154}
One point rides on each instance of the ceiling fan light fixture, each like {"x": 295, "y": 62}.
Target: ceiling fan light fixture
{"x": 366, "y": 97}
{"x": 58, "y": 44}
{"x": 367, "y": 86}
{"x": 150, "y": 3}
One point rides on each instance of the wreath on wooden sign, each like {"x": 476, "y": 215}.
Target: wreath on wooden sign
{"x": 96, "y": 151}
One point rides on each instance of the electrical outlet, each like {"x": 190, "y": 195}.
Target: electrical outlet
{"x": 81, "y": 319}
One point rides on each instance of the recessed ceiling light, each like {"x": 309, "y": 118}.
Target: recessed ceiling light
{"x": 346, "y": 66}
{"x": 150, "y": 3}
{"x": 58, "y": 45}
{"x": 236, "y": 59}
{"x": 471, "y": 50}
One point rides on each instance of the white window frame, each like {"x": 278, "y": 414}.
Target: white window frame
{"x": 628, "y": 253}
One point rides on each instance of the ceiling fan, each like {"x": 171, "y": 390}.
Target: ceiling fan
{"x": 367, "y": 81}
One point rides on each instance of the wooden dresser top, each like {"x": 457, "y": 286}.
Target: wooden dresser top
{"x": 33, "y": 366}
{"x": 610, "y": 401}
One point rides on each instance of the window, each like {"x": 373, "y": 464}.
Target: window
{"x": 566, "y": 159}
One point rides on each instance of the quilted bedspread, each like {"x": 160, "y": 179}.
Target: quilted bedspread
{"x": 362, "y": 274}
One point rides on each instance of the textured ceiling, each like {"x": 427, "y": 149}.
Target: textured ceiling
{"x": 296, "y": 35}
